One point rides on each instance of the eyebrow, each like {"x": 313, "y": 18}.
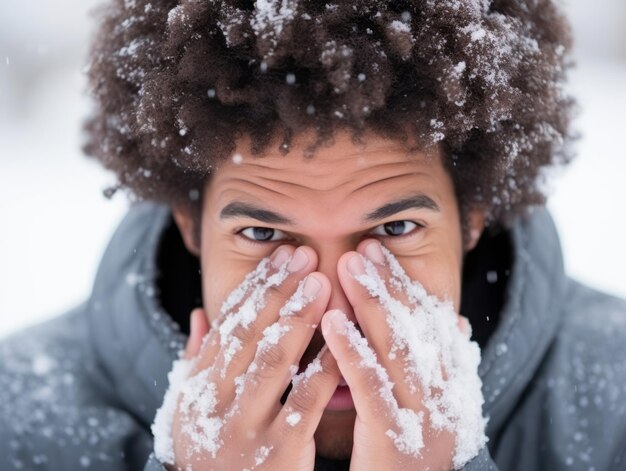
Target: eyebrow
{"x": 240, "y": 209}
{"x": 417, "y": 201}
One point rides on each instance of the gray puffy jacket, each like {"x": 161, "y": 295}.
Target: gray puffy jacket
{"x": 80, "y": 391}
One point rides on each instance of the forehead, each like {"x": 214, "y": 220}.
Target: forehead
{"x": 341, "y": 167}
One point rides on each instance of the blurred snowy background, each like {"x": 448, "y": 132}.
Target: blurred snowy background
{"x": 55, "y": 223}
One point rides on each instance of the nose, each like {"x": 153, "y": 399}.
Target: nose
{"x": 327, "y": 264}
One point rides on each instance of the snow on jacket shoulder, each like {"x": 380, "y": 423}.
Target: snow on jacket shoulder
{"x": 80, "y": 391}
{"x": 58, "y": 409}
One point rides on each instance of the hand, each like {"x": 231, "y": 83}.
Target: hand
{"x": 413, "y": 375}
{"x": 227, "y": 413}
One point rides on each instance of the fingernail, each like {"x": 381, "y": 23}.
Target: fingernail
{"x": 355, "y": 265}
{"x": 279, "y": 258}
{"x": 337, "y": 321}
{"x": 298, "y": 262}
{"x": 375, "y": 253}
{"x": 311, "y": 287}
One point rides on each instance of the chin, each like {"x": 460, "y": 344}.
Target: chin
{"x": 334, "y": 435}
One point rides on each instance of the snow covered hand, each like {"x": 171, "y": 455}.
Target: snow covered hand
{"x": 223, "y": 409}
{"x": 412, "y": 374}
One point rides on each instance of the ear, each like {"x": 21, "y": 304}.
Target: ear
{"x": 476, "y": 225}
{"x": 185, "y": 224}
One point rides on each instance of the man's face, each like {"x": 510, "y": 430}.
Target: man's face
{"x": 343, "y": 195}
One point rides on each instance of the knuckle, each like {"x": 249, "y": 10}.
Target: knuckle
{"x": 294, "y": 431}
{"x": 304, "y": 399}
{"x": 278, "y": 293}
{"x": 245, "y": 335}
{"x": 272, "y": 357}
{"x": 204, "y": 362}
{"x": 303, "y": 319}
{"x": 366, "y": 298}
{"x": 372, "y": 378}
{"x": 369, "y": 300}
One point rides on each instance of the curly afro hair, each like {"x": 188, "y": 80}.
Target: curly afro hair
{"x": 176, "y": 83}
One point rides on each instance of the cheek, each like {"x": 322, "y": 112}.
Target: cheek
{"x": 220, "y": 276}
{"x": 212, "y": 289}
{"x": 439, "y": 274}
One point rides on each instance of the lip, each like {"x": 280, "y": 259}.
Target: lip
{"x": 341, "y": 399}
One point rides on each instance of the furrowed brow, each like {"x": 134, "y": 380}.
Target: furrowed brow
{"x": 418, "y": 201}
{"x": 237, "y": 209}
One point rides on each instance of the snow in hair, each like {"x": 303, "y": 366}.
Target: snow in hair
{"x": 175, "y": 83}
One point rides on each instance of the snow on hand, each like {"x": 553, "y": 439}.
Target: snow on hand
{"x": 442, "y": 363}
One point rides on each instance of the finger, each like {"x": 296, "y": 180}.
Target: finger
{"x": 396, "y": 281}
{"x": 241, "y": 322}
{"x": 240, "y": 332}
{"x": 381, "y": 315}
{"x": 199, "y": 328}
{"x": 235, "y": 303}
{"x": 369, "y": 383}
{"x": 265, "y": 268}
{"x": 312, "y": 389}
{"x": 268, "y": 267}
{"x": 281, "y": 348}
{"x": 464, "y": 325}
{"x": 218, "y": 342}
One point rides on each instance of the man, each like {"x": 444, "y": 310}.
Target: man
{"x": 307, "y": 141}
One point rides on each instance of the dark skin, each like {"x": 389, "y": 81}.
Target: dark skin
{"x": 327, "y": 200}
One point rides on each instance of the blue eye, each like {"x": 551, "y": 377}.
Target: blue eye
{"x": 261, "y": 234}
{"x": 395, "y": 228}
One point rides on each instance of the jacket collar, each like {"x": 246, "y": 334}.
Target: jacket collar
{"x": 529, "y": 318}
{"x": 135, "y": 340}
